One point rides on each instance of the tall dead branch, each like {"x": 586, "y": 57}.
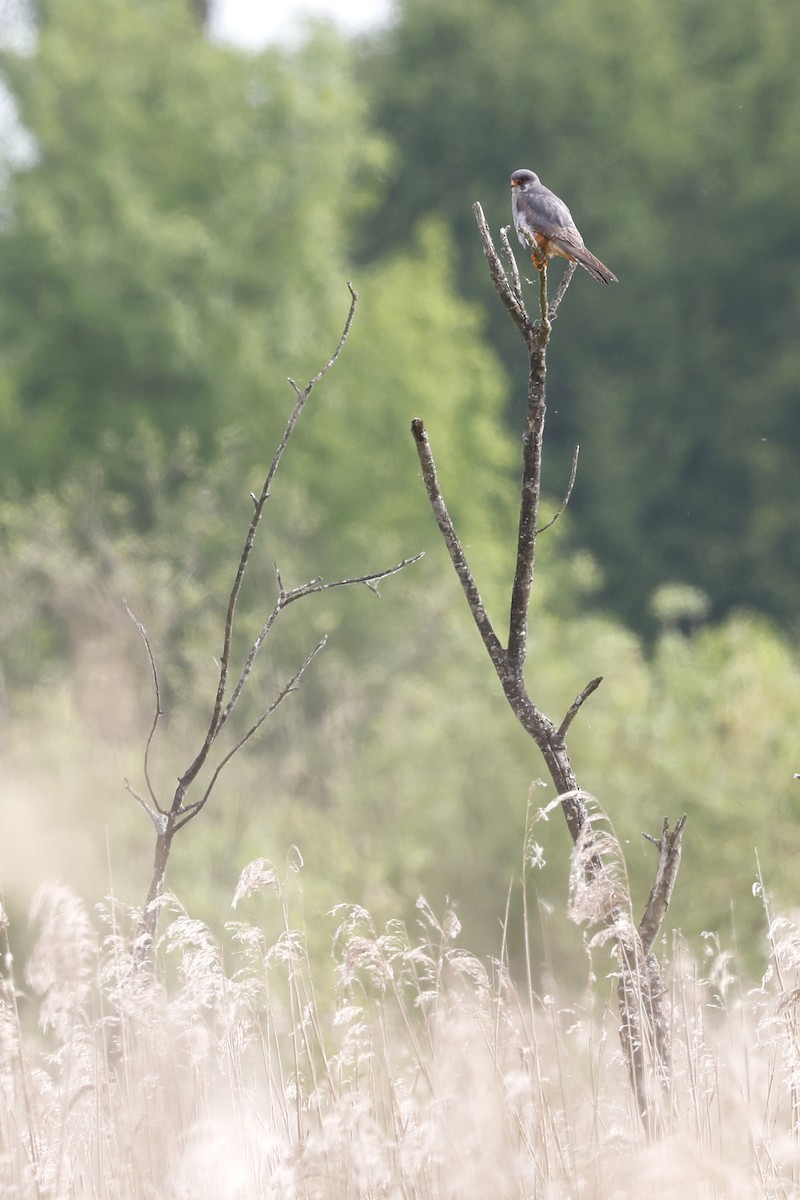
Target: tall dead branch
{"x": 190, "y": 795}
{"x": 644, "y": 1026}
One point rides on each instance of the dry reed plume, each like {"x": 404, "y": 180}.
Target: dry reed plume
{"x": 419, "y": 1071}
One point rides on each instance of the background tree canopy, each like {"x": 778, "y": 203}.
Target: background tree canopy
{"x": 179, "y": 243}
{"x": 674, "y": 132}
{"x": 161, "y": 257}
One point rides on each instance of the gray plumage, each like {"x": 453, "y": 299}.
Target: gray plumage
{"x": 545, "y": 226}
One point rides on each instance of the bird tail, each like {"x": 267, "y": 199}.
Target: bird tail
{"x": 596, "y": 269}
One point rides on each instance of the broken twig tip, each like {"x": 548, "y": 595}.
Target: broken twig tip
{"x": 576, "y": 705}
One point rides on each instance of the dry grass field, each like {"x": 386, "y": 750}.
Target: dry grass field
{"x": 411, "y": 1070}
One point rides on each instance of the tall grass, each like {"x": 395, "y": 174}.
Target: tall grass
{"x": 410, "y": 1069}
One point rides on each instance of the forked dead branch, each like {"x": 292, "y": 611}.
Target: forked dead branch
{"x": 644, "y": 1023}
{"x": 191, "y": 795}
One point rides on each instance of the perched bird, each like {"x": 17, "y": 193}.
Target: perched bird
{"x": 542, "y": 220}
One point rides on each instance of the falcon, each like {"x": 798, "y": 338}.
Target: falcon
{"x": 545, "y": 226}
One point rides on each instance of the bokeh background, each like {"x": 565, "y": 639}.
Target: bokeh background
{"x": 179, "y": 216}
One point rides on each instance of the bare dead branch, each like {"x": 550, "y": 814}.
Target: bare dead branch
{"x": 645, "y": 1033}
{"x": 156, "y": 815}
{"x": 191, "y": 810}
{"x": 156, "y": 716}
{"x": 567, "y": 495}
{"x": 644, "y": 1024}
{"x": 576, "y": 706}
{"x": 535, "y": 337}
{"x": 454, "y": 547}
{"x": 285, "y": 598}
{"x": 669, "y": 858}
{"x": 512, "y": 264}
{"x": 318, "y": 585}
{"x": 345, "y": 334}
{"x": 249, "y": 661}
{"x": 514, "y": 305}
{"x": 532, "y": 439}
{"x": 510, "y": 663}
{"x": 169, "y": 821}
{"x": 258, "y": 508}
{"x": 562, "y": 290}
{"x": 544, "y": 322}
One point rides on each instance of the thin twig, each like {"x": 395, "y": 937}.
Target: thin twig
{"x": 514, "y": 305}
{"x": 512, "y": 262}
{"x": 576, "y": 706}
{"x": 669, "y": 858}
{"x": 345, "y": 334}
{"x": 370, "y": 581}
{"x": 567, "y": 494}
{"x": 156, "y": 815}
{"x": 285, "y": 598}
{"x": 156, "y": 716}
{"x": 562, "y": 290}
{"x": 191, "y": 810}
{"x": 258, "y": 508}
{"x": 248, "y": 665}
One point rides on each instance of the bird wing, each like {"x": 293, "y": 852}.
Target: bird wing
{"x": 538, "y": 210}
{"x": 541, "y": 211}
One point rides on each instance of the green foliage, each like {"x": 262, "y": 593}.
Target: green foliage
{"x": 415, "y": 351}
{"x": 397, "y": 769}
{"x": 180, "y": 244}
{"x": 706, "y": 726}
{"x": 179, "y": 241}
{"x": 673, "y": 131}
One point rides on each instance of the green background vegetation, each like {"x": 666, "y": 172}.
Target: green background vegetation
{"x": 177, "y": 242}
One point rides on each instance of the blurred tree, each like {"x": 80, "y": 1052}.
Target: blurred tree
{"x": 673, "y": 131}
{"x": 395, "y": 769}
{"x": 184, "y": 231}
{"x": 179, "y": 244}
{"x": 346, "y": 491}
{"x": 179, "y": 240}
{"x": 354, "y": 462}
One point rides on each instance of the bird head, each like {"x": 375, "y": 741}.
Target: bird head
{"x": 524, "y": 180}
